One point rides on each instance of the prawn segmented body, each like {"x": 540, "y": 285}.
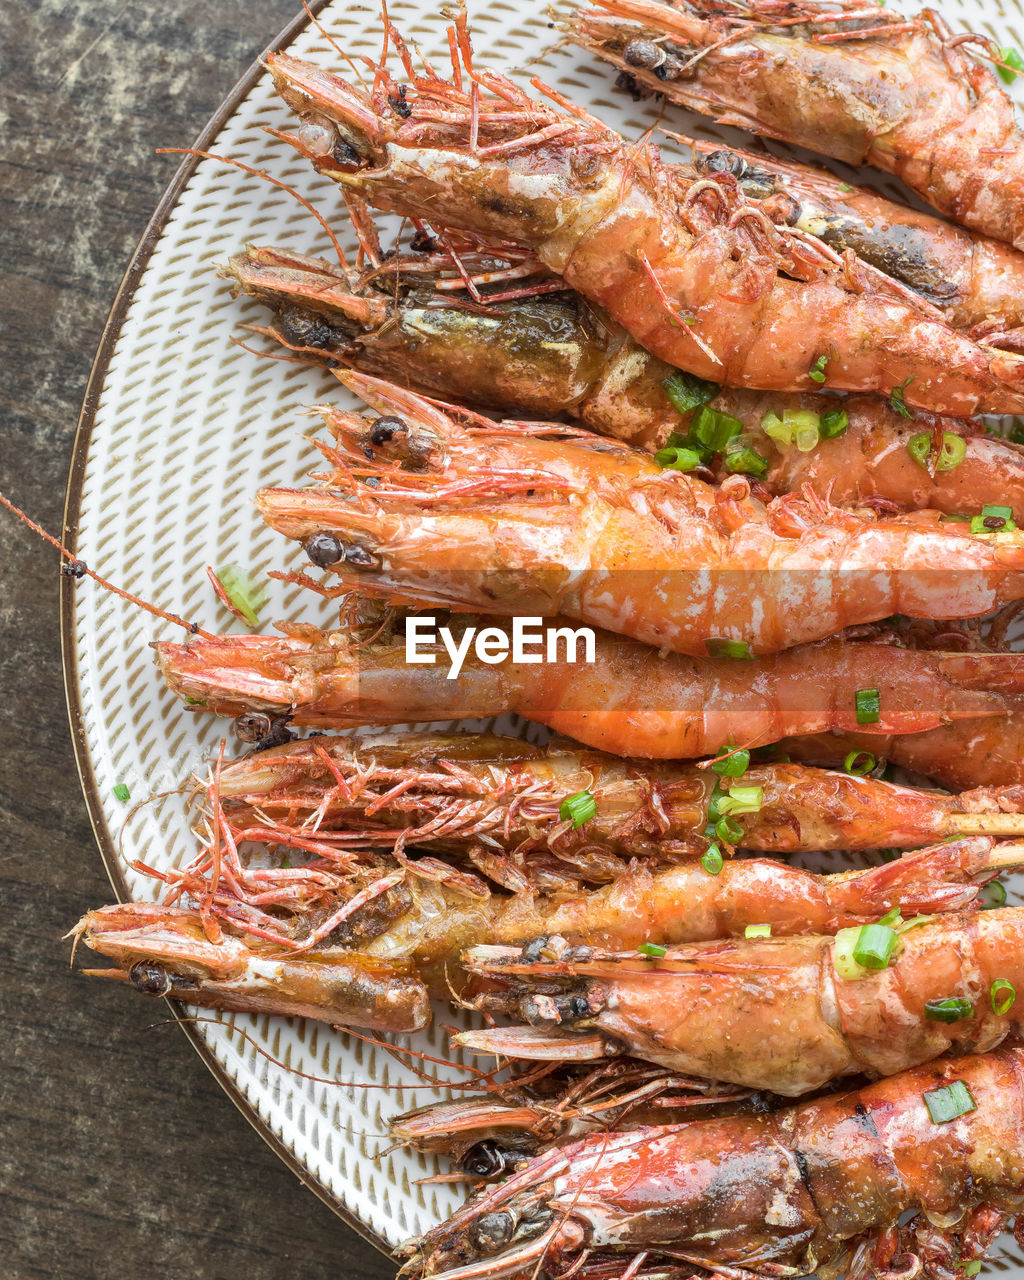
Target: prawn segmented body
{"x": 868, "y": 86}
{"x": 825, "y": 1186}
{"x": 630, "y": 701}
{"x": 762, "y": 1012}
{"x": 460, "y": 793}
{"x": 556, "y": 353}
{"x": 695, "y": 272}
{"x": 493, "y": 518}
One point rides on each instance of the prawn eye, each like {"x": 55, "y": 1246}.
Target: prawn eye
{"x": 384, "y": 430}
{"x": 252, "y": 726}
{"x": 485, "y": 1159}
{"x": 304, "y": 328}
{"x": 492, "y": 1231}
{"x": 724, "y": 162}
{"x": 644, "y": 54}
{"x": 149, "y": 978}
{"x": 324, "y": 549}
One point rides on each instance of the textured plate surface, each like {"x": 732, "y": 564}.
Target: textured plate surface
{"x": 185, "y": 426}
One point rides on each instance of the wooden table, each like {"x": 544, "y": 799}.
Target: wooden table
{"x": 119, "y": 1154}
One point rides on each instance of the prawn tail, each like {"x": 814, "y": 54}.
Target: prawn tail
{"x": 943, "y": 877}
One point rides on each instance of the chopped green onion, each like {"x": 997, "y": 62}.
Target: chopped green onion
{"x": 951, "y": 1009}
{"x": 868, "y": 706}
{"x": 731, "y": 763}
{"x": 712, "y": 861}
{"x": 194, "y": 702}
{"x": 842, "y": 955}
{"x": 913, "y": 923}
{"x": 578, "y": 809}
{"x": 678, "y": 459}
{"x": 714, "y": 430}
{"x": 729, "y": 830}
{"x": 243, "y": 594}
{"x": 833, "y": 423}
{"x": 949, "y": 1103}
{"x": 993, "y": 895}
{"x": 845, "y": 186}
{"x": 875, "y": 946}
{"x": 687, "y": 392}
{"x": 817, "y": 371}
{"x": 972, "y": 1268}
{"x": 896, "y": 397}
{"x": 122, "y": 793}
{"x": 721, "y": 648}
{"x": 859, "y": 763}
{"x": 1014, "y": 64}
{"x": 1002, "y": 994}
{"x": 757, "y": 931}
{"x": 801, "y": 427}
{"x": 746, "y": 461}
{"x": 742, "y": 800}
{"x": 652, "y": 950}
{"x": 892, "y": 918}
{"x": 952, "y": 451}
{"x": 994, "y": 520}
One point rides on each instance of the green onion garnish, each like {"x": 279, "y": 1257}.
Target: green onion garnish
{"x": 757, "y": 931}
{"x": 687, "y": 392}
{"x": 722, "y": 648}
{"x": 652, "y": 950}
{"x": 714, "y": 430}
{"x": 731, "y": 763}
{"x": 578, "y": 809}
{"x": 994, "y": 520}
{"x": 729, "y": 830}
{"x": 845, "y": 186}
{"x": 1002, "y": 994}
{"x": 859, "y": 763}
{"x": 801, "y": 427}
{"x": 993, "y": 895}
{"x": 122, "y": 793}
{"x": 896, "y": 397}
{"x": 842, "y": 955}
{"x": 676, "y": 459}
{"x": 712, "y": 861}
{"x": 892, "y": 918}
{"x": 746, "y": 462}
{"x": 914, "y": 922}
{"x": 741, "y": 800}
{"x": 951, "y": 1009}
{"x": 868, "y": 706}
{"x": 951, "y": 453}
{"x": 875, "y": 946}
{"x": 950, "y": 1102}
{"x": 833, "y": 423}
{"x": 972, "y": 1268}
{"x": 240, "y": 592}
{"x": 1014, "y": 64}
{"x": 817, "y": 370}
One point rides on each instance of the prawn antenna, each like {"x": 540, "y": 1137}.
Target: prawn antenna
{"x": 275, "y": 182}
{"x": 75, "y": 568}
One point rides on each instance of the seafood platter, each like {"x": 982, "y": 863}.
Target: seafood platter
{"x": 558, "y": 738}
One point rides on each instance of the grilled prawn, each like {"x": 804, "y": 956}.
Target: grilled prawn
{"x": 822, "y": 1186}
{"x": 630, "y": 701}
{"x": 420, "y": 507}
{"x": 538, "y": 355}
{"x": 500, "y": 801}
{"x": 862, "y": 84}
{"x": 356, "y": 948}
{"x": 695, "y": 272}
{"x": 783, "y": 1014}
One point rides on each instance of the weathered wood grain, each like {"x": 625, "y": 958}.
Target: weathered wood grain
{"x": 119, "y": 1154}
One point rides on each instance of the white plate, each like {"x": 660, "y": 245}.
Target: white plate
{"x": 184, "y": 428}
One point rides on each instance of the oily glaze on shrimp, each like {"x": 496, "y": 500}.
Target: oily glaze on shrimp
{"x": 861, "y": 1184}
{"x": 557, "y": 353}
{"x": 498, "y": 801}
{"x": 368, "y": 968}
{"x": 766, "y": 1013}
{"x": 418, "y": 508}
{"x": 908, "y": 96}
{"x": 695, "y": 272}
{"x": 630, "y": 700}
